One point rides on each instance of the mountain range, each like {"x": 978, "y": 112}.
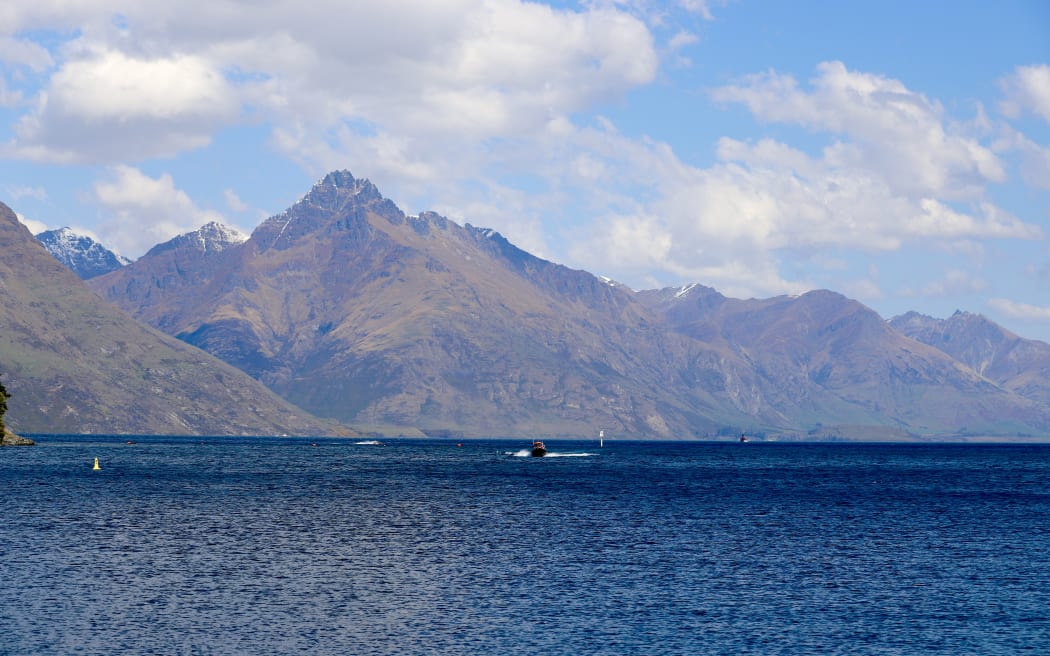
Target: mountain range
{"x": 75, "y": 364}
{"x": 361, "y": 314}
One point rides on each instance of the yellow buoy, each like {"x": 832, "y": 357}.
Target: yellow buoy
{"x": 96, "y": 467}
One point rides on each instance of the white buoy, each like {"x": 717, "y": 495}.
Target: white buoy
{"x": 96, "y": 467}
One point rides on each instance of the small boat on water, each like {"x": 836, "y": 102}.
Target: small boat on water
{"x": 538, "y": 449}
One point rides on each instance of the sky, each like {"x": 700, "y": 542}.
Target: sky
{"x": 897, "y": 152}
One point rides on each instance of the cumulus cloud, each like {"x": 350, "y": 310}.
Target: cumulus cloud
{"x": 1027, "y": 89}
{"x": 895, "y": 171}
{"x": 894, "y": 132}
{"x": 142, "y": 211}
{"x": 109, "y": 106}
{"x": 433, "y": 74}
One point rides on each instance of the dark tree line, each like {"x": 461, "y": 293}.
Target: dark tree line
{"x": 3, "y": 405}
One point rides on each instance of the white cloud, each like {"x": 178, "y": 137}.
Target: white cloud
{"x": 20, "y": 52}
{"x": 109, "y": 106}
{"x": 233, "y": 201}
{"x": 1027, "y": 89}
{"x": 144, "y": 211}
{"x": 62, "y": 15}
{"x": 701, "y": 7}
{"x": 432, "y": 73}
{"x": 682, "y": 39}
{"x": 895, "y": 133}
{"x": 1035, "y": 159}
{"x": 113, "y": 85}
{"x": 503, "y": 72}
{"x": 904, "y": 177}
{"x": 940, "y": 221}
{"x": 35, "y": 227}
{"x": 1022, "y": 311}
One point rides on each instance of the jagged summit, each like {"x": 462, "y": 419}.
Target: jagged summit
{"x": 339, "y": 198}
{"x": 931, "y": 329}
{"x": 335, "y": 189}
{"x": 80, "y": 253}
{"x": 1016, "y": 364}
{"x": 345, "y": 180}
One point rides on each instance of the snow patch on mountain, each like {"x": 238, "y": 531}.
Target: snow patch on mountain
{"x": 81, "y": 253}
{"x": 683, "y": 291}
{"x": 613, "y": 283}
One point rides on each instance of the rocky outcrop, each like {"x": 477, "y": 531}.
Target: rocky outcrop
{"x": 10, "y": 439}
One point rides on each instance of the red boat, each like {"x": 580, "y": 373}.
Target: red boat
{"x": 538, "y": 449}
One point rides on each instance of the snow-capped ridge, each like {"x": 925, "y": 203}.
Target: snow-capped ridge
{"x": 212, "y": 237}
{"x": 215, "y": 236}
{"x": 81, "y": 253}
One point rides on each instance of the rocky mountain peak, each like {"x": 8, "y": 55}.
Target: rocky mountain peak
{"x": 338, "y": 199}
{"x": 986, "y": 347}
{"x": 966, "y": 326}
{"x": 80, "y": 253}
{"x": 337, "y": 187}
{"x": 913, "y": 318}
{"x": 212, "y": 237}
{"x": 216, "y": 236}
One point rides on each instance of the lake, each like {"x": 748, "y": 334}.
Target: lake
{"x": 299, "y": 546}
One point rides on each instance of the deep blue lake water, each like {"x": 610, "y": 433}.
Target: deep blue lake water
{"x": 276, "y": 546}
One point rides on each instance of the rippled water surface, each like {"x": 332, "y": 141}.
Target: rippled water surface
{"x": 281, "y": 546}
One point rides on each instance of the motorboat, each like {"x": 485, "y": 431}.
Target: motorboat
{"x": 538, "y": 449}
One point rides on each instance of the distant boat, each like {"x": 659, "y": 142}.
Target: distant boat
{"x": 601, "y": 439}
{"x": 538, "y": 449}
{"x": 743, "y": 438}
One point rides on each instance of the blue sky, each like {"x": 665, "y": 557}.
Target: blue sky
{"x": 897, "y": 152}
